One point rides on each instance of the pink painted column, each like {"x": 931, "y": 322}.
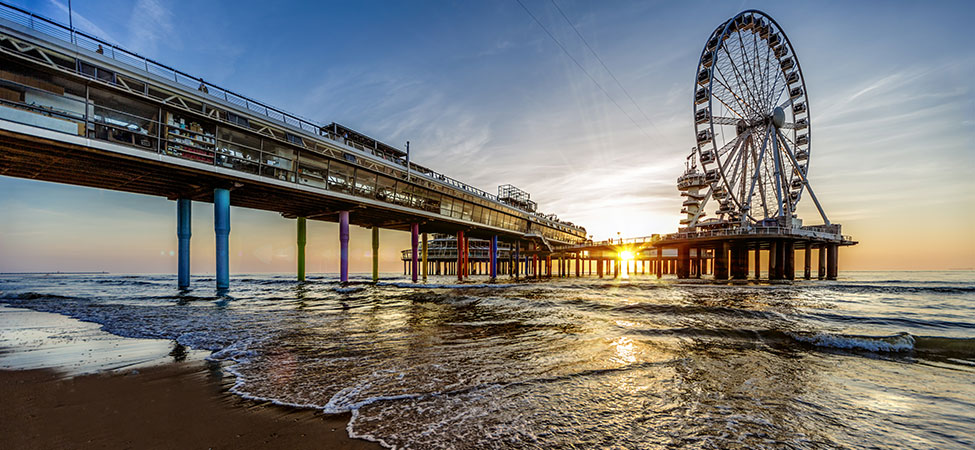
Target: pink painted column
{"x": 344, "y": 245}
{"x": 415, "y": 240}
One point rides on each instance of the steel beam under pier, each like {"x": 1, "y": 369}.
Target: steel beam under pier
{"x": 424, "y": 256}
{"x": 494, "y": 258}
{"x": 758, "y": 262}
{"x": 807, "y": 260}
{"x": 415, "y": 256}
{"x": 221, "y": 229}
{"x": 721, "y": 261}
{"x": 344, "y": 246}
{"x": 460, "y": 255}
{"x": 821, "y": 270}
{"x": 832, "y": 261}
{"x": 739, "y": 261}
{"x": 184, "y": 209}
{"x": 375, "y": 254}
{"x": 683, "y": 261}
{"x": 302, "y": 239}
{"x": 790, "y": 259}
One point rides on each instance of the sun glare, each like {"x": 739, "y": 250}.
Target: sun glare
{"x": 626, "y": 255}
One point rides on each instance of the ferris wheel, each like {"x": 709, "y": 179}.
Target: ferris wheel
{"x": 751, "y": 122}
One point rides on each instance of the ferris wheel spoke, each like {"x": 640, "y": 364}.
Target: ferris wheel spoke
{"x": 740, "y": 81}
{"x": 745, "y": 59}
{"x": 760, "y": 85}
{"x": 805, "y": 181}
{"x": 725, "y": 121}
{"x": 729, "y": 146}
{"x": 738, "y": 99}
{"x": 758, "y": 167}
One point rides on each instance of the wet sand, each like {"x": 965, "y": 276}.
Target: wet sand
{"x": 68, "y": 384}
{"x": 177, "y": 405}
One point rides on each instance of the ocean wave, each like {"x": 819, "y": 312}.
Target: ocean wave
{"x": 903, "y": 288}
{"x": 901, "y": 342}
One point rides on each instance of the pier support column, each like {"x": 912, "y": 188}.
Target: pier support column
{"x": 700, "y": 263}
{"x": 721, "y": 262}
{"x": 375, "y": 254}
{"x": 683, "y": 262}
{"x": 184, "y": 210}
{"x": 758, "y": 261}
{"x": 832, "y": 261}
{"x": 738, "y": 271}
{"x": 517, "y": 265}
{"x": 221, "y": 228}
{"x": 415, "y": 254}
{"x": 494, "y": 258}
{"x": 807, "y": 259}
{"x": 344, "y": 246}
{"x": 460, "y": 255}
{"x": 424, "y": 256}
{"x": 302, "y": 239}
{"x": 790, "y": 259}
{"x": 821, "y": 270}
{"x": 616, "y": 267}
{"x": 660, "y": 262}
{"x": 773, "y": 260}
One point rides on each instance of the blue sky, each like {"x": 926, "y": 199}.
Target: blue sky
{"x": 484, "y": 95}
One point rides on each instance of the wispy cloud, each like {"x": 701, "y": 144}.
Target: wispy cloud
{"x": 149, "y": 24}
{"x": 82, "y": 23}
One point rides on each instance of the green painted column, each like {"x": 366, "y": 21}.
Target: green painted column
{"x": 375, "y": 254}
{"x": 301, "y": 248}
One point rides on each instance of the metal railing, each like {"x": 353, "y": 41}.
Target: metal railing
{"x": 753, "y": 231}
{"x": 86, "y": 41}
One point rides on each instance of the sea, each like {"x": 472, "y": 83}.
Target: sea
{"x": 874, "y": 360}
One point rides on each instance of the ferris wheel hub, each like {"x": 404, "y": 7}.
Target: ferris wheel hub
{"x": 778, "y": 117}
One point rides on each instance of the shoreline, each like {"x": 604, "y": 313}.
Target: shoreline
{"x": 68, "y": 384}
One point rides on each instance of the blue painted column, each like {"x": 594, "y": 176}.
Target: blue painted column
{"x": 184, "y": 208}
{"x": 494, "y": 257}
{"x": 344, "y": 245}
{"x": 221, "y": 227}
{"x": 415, "y": 259}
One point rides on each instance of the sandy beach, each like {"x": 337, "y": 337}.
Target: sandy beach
{"x": 179, "y": 405}
{"x": 80, "y": 387}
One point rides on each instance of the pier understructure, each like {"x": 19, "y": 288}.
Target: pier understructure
{"x": 79, "y": 110}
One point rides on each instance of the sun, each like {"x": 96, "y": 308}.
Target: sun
{"x": 626, "y": 255}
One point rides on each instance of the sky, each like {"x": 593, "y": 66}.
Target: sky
{"x": 486, "y": 96}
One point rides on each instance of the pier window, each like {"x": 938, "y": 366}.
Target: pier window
{"x": 189, "y": 138}
{"x": 446, "y": 204}
{"x": 365, "y": 183}
{"x": 385, "y": 188}
{"x": 340, "y": 177}
{"x": 240, "y": 151}
{"x": 403, "y": 194}
{"x": 121, "y": 119}
{"x": 277, "y": 160}
{"x": 312, "y": 169}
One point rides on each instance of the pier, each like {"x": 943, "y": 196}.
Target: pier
{"x": 79, "y": 110}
